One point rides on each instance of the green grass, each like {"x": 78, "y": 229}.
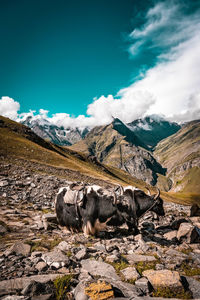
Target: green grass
{"x": 62, "y": 285}
{"x": 118, "y": 266}
{"x": 167, "y": 292}
{"x": 43, "y": 243}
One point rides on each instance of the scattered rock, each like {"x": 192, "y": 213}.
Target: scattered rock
{"x": 194, "y": 287}
{"x": 195, "y": 210}
{"x": 134, "y": 258}
{"x": 96, "y": 268}
{"x": 130, "y": 273}
{"x": 99, "y": 290}
{"x": 171, "y": 235}
{"x": 163, "y": 278}
{"x": 189, "y": 233}
{"x": 143, "y": 284}
{"x": 56, "y": 259}
{"x": 82, "y": 254}
{"x": 19, "y": 248}
{"x": 10, "y": 286}
{"x": 41, "y": 266}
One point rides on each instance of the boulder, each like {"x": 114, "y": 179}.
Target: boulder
{"x": 143, "y": 284}
{"x": 130, "y": 273}
{"x": 19, "y": 248}
{"x": 81, "y": 254}
{"x": 194, "y": 287}
{"x": 56, "y": 259}
{"x": 163, "y": 278}
{"x": 195, "y": 210}
{"x": 189, "y": 233}
{"x": 134, "y": 258}
{"x": 11, "y": 285}
{"x": 97, "y": 268}
{"x": 171, "y": 235}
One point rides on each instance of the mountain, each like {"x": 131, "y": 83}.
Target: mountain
{"x": 180, "y": 155}
{"x": 152, "y": 129}
{"x": 22, "y": 148}
{"x": 116, "y": 145}
{"x": 55, "y": 134}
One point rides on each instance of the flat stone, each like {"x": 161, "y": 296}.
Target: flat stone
{"x": 194, "y": 287}
{"x": 175, "y": 253}
{"x": 50, "y": 218}
{"x": 99, "y": 290}
{"x": 143, "y": 284}
{"x": 41, "y": 266}
{"x": 8, "y": 286}
{"x": 99, "y": 268}
{"x": 127, "y": 289}
{"x": 14, "y": 297}
{"x": 171, "y": 235}
{"x": 55, "y": 259}
{"x": 63, "y": 246}
{"x": 112, "y": 258}
{"x": 130, "y": 273}
{"x": 81, "y": 254}
{"x": 18, "y": 248}
{"x": 189, "y": 233}
{"x": 4, "y": 183}
{"x": 163, "y": 278}
{"x": 134, "y": 258}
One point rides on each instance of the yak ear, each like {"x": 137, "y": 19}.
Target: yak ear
{"x": 148, "y": 190}
{"x": 157, "y": 195}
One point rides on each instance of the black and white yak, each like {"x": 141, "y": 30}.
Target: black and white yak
{"x": 91, "y": 208}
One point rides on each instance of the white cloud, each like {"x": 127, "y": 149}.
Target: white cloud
{"x": 174, "y": 84}
{"x": 9, "y": 107}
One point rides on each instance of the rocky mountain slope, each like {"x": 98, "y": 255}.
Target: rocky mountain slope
{"x": 118, "y": 146}
{"x": 180, "y": 155}
{"x": 55, "y": 134}
{"x": 21, "y": 146}
{"x": 152, "y": 129}
{"x": 40, "y": 260}
{"x": 149, "y": 130}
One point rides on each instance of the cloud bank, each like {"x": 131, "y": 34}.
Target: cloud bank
{"x": 171, "y": 87}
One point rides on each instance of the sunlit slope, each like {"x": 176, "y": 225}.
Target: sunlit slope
{"x": 19, "y": 143}
{"x": 180, "y": 154}
{"x": 117, "y": 146}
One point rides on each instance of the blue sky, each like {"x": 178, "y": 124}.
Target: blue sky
{"x": 84, "y": 61}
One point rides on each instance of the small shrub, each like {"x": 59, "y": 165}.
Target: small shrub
{"x": 43, "y": 243}
{"x": 188, "y": 270}
{"x": 62, "y": 285}
{"x": 143, "y": 266}
{"x": 167, "y": 292}
{"x": 118, "y": 266}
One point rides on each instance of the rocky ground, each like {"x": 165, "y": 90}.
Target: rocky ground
{"x": 40, "y": 260}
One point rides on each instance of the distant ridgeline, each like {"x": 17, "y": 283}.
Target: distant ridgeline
{"x": 152, "y": 149}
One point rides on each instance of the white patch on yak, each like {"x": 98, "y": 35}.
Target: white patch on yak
{"x": 88, "y": 229}
{"x": 130, "y": 187}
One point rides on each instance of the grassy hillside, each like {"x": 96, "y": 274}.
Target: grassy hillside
{"x": 19, "y": 144}
{"x": 180, "y": 154}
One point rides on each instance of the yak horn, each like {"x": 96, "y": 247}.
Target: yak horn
{"x": 120, "y": 188}
{"x": 115, "y": 199}
{"x": 149, "y": 192}
{"x": 157, "y": 195}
